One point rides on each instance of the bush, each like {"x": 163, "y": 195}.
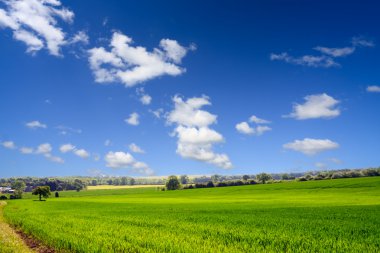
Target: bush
{"x": 301, "y": 179}
{"x": 221, "y": 184}
{"x": 56, "y": 194}
{"x": 3, "y": 197}
{"x": 210, "y": 184}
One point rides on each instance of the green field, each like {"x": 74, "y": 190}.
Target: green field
{"x": 340, "y": 215}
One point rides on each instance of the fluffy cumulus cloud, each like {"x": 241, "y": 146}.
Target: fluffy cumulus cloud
{"x": 136, "y": 149}
{"x": 69, "y": 148}
{"x": 132, "y": 65}
{"x": 259, "y": 129}
{"x": 133, "y": 119}
{"x": 121, "y": 160}
{"x": 316, "y": 106}
{"x": 327, "y": 56}
{"x": 309, "y": 146}
{"x": 195, "y": 138}
{"x": 35, "y": 124}
{"x": 244, "y": 128}
{"x": 36, "y": 23}
{"x": 373, "y": 88}
{"x": 145, "y": 99}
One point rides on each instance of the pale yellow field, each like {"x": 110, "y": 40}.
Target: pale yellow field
{"x": 109, "y": 187}
{"x": 9, "y": 240}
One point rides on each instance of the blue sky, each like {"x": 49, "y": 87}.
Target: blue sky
{"x": 146, "y": 88}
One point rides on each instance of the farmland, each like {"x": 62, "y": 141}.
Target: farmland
{"x": 339, "y": 215}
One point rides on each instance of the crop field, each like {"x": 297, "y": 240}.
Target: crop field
{"x": 316, "y": 216}
{"x": 114, "y": 187}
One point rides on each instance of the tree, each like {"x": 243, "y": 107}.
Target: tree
{"x": 42, "y": 191}
{"x": 263, "y": 177}
{"x": 19, "y": 187}
{"x": 245, "y": 177}
{"x": 56, "y": 194}
{"x": 173, "y": 183}
{"x": 215, "y": 178}
{"x": 132, "y": 181}
{"x": 184, "y": 179}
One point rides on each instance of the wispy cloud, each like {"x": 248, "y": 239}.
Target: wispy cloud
{"x": 136, "y": 149}
{"x": 327, "y": 57}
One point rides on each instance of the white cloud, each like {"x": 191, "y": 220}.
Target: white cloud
{"x": 306, "y": 60}
{"x": 133, "y": 65}
{"x": 44, "y": 148}
{"x": 135, "y": 149}
{"x": 133, "y": 119}
{"x": 309, "y": 146}
{"x": 9, "y": 144}
{"x": 146, "y": 99}
{"x": 121, "y": 160}
{"x": 316, "y": 106}
{"x": 362, "y": 42}
{"x": 36, "y": 124}
{"x": 373, "y": 88}
{"x": 259, "y": 130}
{"x": 26, "y": 150}
{"x": 55, "y": 159}
{"x": 257, "y": 120}
{"x": 328, "y": 54}
{"x": 79, "y": 37}
{"x": 35, "y": 22}
{"x": 336, "y": 52}
{"x": 244, "y": 128}
{"x": 157, "y": 113}
{"x": 195, "y": 138}
{"x": 188, "y": 112}
{"x": 81, "y": 153}
{"x": 67, "y": 148}
{"x": 65, "y": 130}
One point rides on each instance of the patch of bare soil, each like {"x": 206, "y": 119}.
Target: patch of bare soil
{"x": 34, "y": 244}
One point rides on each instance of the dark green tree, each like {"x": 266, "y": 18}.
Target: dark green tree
{"x": 173, "y": 183}
{"x": 245, "y": 177}
{"x": 19, "y": 187}
{"x": 42, "y": 191}
{"x": 263, "y": 177}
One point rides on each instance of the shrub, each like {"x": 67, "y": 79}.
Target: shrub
{"x": 3, "y": 197}
{"x": 210, "y": 184}
{"x": 301, "y": 179}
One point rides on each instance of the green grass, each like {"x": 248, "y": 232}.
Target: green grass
{"x": 10, "y": 242}
{"x": 316, "y": 216}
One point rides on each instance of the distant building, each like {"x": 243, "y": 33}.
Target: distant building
{"x": 7, "y": 190}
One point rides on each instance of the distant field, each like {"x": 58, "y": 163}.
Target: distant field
{"x": 316, "y": 216}
{"x": 110, "y": 187}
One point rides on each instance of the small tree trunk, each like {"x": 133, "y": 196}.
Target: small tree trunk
{"x": 40, "y": 197}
